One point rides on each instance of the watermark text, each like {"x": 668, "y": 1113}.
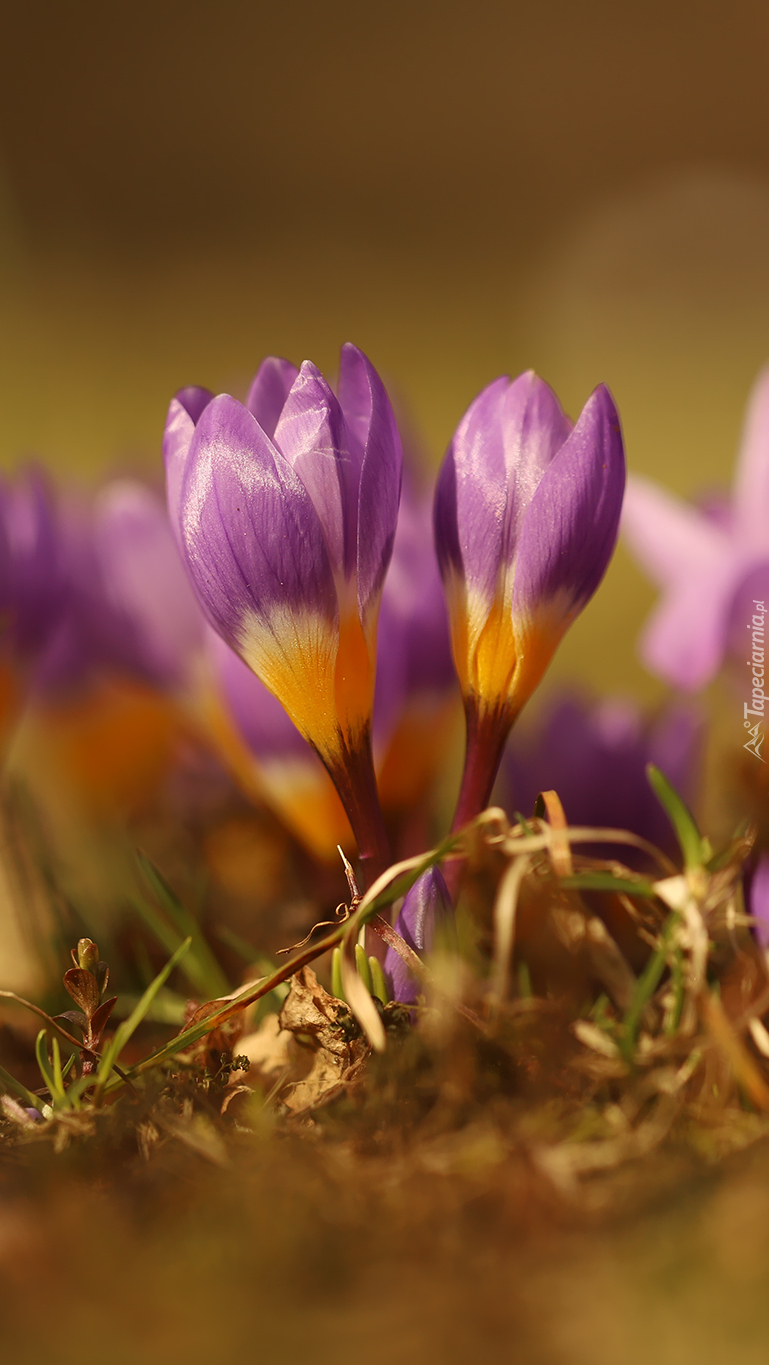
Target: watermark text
{"x": 754, "y": 711}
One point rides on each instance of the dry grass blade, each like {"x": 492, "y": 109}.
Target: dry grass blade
{"x": 741, "y": 1064}
{"x": 505, "y": 908}
{"x": 514, "y": 842}
{"x": 50, "y": 1021}
{"x": 560, "y": 850}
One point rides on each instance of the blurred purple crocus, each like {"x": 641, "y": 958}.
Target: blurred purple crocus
{"x": 526, "y": 516}
{"x": 595, "y": 757}
{"x": 285, "y": 511}
{"x": 425, "y": 910}
{"x": 32, "y": 585}
{"x": 710, "y": 562}
{"x": 127, "y": 606}
{"x": 33, "y": 588}
{"x": 416, "y": 685}
{"x": 144, "y": 584}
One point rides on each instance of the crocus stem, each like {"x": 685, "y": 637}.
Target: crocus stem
{"x": 353, "y": 776}
{"x": 487, "y": 733}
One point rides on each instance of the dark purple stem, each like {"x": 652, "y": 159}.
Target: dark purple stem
{"x": 354, "y": 778}
{"x": 487, "y": 733}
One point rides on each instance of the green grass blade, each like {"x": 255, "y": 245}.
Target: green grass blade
{"x": 14, "y": 1087}
{"x": 122, "y": 1034}
{"x": 256, "y": 990}
{"x": 679, "y": 815}
{"x": 403, "y": 883}
{"x": 605, "y": 881}
{"x": 646, "y": 985}
{"x": 239, "y": 945}
{"x": 46, "y": 1070}
{"x": 167, "y": 1008}
{"x": 56, "y": 1062}
{"x": 201, "y": 967}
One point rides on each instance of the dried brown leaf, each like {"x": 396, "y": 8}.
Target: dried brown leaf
{"x": 84, "y": 989}
{"x": 327, "y": 1027}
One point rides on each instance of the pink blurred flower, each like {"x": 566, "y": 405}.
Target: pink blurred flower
{"x": 710, "y": 562}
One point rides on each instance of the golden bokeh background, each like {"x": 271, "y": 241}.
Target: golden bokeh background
{"x": 463, "y": 189}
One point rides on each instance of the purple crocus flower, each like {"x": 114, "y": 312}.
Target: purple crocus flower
{"x": 285, "y": 510}
{"x": 33, "y": 587}
{"x": 595, "y": 757}
{"x": 286, "y": 770}
{"x": 415, "y": 676}
{"x": 415, "y": 646}
{"x": 144, "y": 585}
{"x": 127, "y": 606}
{"x": 425, "y": 910}
{"x": 710, "y": 561}
{"x": 526, "y": 516}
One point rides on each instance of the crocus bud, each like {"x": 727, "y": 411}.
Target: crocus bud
{"x": 285, "y": 510}
{"x": 426, "y": 907}
{"x": 87, "y": 955}
{"x": 526, "y": 516}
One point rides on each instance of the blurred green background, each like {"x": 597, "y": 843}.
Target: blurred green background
{"x": 462, "y": 189}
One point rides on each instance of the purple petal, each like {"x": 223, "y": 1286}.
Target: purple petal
{"x": 374, "y": 443}
{"x": 257, "y": 557}
{"x": 194, "y": 399}
{"x": 716, "y": 506}
{"x": 595, "y": 757}
{"x": 690, "y": 555}
{"x": 34, "y": 589}
{"x": 426, "y": 908}
{"x": 91, "y": 632}
{"x": 391, "y": 682}
{"x": 751, "y": 491}
{"x": 676, "y": 744}
{"x": 184, "y": 411}
{"x": 751, "y": 588}
{"x": 269, "y": 390}
{"x": 534, "y": 428}
{"x": 145, "y": 581}
{"x": 684, "y": 639}
{"x": 471, "y": 496}
{"x": 311, "y": 435}
{"x": 414, "y": 649}
{"x": 570, "y": 529}
{"x": 558, "y": 753}
{"x": 6, "y": 567}
{"x": 672, "y": 539}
